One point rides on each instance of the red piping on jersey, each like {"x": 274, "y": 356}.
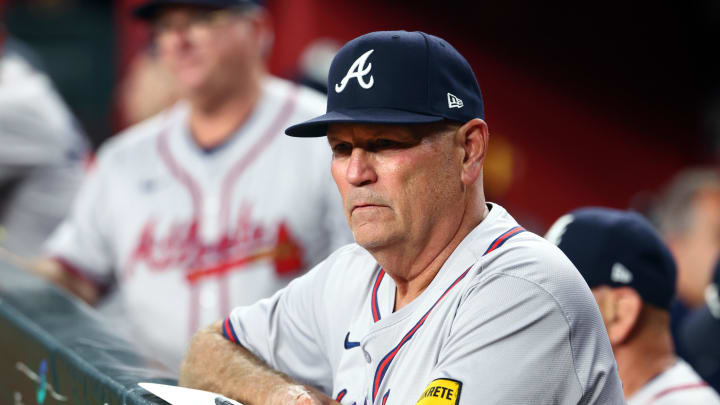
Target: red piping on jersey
{"x": 385, "y": 397}
{"x": 500, "y": 240}
{"x": 670, "y": 390}
{"x": 195, "y": 194}
{"x": 385, "y": 362}
{"x": 183, "y": 177}
{"x": 238, "y": 168}
{"x": 374, "y": 303}
{"x": 341, "y": 395}
{"x": 229, "y": 331}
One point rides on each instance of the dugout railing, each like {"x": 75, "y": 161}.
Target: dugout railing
{"x": 55, "y": 349}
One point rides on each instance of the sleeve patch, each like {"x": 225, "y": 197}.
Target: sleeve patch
{"x": 442, "y": 391}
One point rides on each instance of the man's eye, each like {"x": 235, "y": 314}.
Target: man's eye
{"x": 385, "y": 144}
{"x": 201, "y": 19}
{"x": 341, "y": 149}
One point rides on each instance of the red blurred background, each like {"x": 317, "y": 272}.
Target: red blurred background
{"x": 588, "y": 104}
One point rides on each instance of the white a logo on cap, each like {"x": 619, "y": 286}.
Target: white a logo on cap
{"x": 358, "y": 70}
{"x": 454, "y": 102}
{"x": 620, "y": 274}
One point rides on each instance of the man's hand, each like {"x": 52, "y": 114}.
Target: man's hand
{"x": 297, "y": 395}
{"x": 56, "y": 272}
{"x": 53, "y": 271}
{"x": 213, "y": 363}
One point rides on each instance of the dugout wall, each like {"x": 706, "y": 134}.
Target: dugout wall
{"x": 55, "y": 349}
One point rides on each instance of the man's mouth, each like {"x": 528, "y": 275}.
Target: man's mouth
{"x": 361, "y": 206}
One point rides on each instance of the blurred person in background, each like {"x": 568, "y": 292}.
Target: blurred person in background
{"x": 688, "y": 218}
{"x": 314, "y": 64}
{"x": 42, "y": 152}
{"x": 687, "y": 214}
{"x": 700, "y": 334}
{"x": 632, "y": 275}
{"x": 205, "y": 206}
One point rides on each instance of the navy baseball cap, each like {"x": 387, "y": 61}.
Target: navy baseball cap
{"x": 617, "y": 248}
{"x": 397, "y": 77}
{"x": 149, "y": 10}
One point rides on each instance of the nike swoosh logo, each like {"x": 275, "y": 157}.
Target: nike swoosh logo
{"x": 349, "y": 344}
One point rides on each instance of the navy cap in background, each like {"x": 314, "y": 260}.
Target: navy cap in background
{"x": 397, "y": 77}
{"x": 617, "y": 248}
{"x": 149, "y": 9}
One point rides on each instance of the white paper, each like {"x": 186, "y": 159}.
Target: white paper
{"x": 181, "y": 395}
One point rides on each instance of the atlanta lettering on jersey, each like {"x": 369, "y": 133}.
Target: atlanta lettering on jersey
{"x": 183, "y": 248}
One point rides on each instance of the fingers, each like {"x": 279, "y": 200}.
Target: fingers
{"x": 297, "y": 395}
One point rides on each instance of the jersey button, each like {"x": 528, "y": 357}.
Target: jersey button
{"x": 367, "y": 356}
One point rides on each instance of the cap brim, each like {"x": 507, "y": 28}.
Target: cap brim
{"x": 149, "y": 10}
{"x": 318, "y": 126}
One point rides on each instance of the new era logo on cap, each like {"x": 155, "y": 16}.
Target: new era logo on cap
{"x": 620, "y": 274}
{"x": 453, "y": 101}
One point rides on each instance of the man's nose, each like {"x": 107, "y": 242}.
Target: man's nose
{"x": 360, "y": 169}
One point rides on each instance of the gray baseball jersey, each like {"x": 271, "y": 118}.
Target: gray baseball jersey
{"x": 679, "y": 385}
{"x": 42, "y": 155}
{"x": 507, "y": 320}
{"x": 191, "y": 233}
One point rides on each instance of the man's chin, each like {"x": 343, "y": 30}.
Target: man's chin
{"x": 192, "y": 84}
{"x": 372, "y": 239}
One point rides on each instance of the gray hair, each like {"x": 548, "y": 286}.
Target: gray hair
{"x": 672, "y": 212}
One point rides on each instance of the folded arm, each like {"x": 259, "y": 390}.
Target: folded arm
{"x": 213, "y": 363}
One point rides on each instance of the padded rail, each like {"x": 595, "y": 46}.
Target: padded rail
{"x": 55, "y": 349}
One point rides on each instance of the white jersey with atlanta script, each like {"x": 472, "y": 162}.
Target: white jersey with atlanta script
{"x": 190, "y": 233}
{"x": 507, "y": 320}
{"x": 678, "y": 385}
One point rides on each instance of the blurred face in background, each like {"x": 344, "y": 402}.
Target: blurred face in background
{"x": 210, "y": 51}
{"x": 698, "y": 248}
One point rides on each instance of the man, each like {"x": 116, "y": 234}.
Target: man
{"x": 632, "y": 276}
{"x": 444, "y": 298}
{"x": 42, "y": 152}
{"x": 687, "y": 215}
{"x": 688, "y": 218}
{"x": 206, "y": 206}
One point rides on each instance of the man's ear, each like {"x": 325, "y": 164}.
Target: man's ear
{"x": 627, "y": 305}
{"x": 473, "y": 139}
